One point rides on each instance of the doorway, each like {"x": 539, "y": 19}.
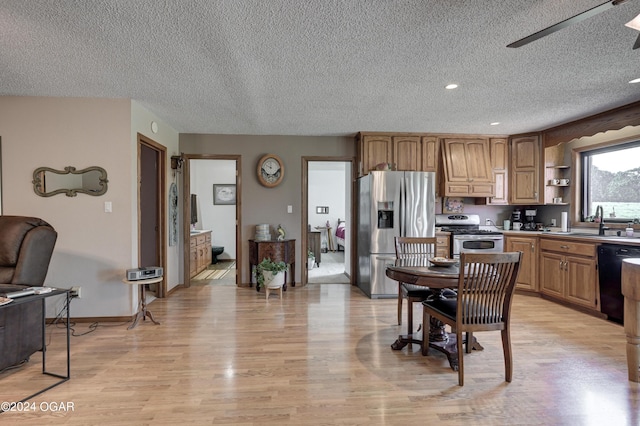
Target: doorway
{"x": 327, "y": 215}
{"x": 151, "y": 212}
{"x": 212, "y": 203}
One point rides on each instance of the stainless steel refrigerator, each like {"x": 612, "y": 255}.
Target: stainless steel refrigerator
{"x": 390, "y": 204}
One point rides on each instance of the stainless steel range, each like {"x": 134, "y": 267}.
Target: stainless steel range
{"x": 466, "y": 235}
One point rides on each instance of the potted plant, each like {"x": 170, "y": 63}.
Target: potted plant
{"x": 269, "y": 273}
{"x": 311, "y": 259}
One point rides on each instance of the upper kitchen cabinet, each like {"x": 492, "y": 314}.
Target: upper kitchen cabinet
{"x": 467, "y": 167}
{"x": 430, "y": 152}
{"x": 499, "y": 149}
{"x": 372, "y": 150}
{"x": 525, "y": 182}
{"x": 405, "y": 151}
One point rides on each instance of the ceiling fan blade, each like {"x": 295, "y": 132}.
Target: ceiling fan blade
{"x": 570, "y": 21}
{"x": 637, "y": 43}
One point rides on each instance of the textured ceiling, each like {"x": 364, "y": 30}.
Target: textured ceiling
{"x": 325, "y": 67}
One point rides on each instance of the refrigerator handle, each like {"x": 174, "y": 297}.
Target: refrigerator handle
{"x": 401, "y": 207}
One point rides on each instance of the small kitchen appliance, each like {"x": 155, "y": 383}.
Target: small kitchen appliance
{"x": 516, "y": 219}
{"x": 530, "y": 223}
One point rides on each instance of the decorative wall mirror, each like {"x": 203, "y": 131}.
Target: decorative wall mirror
{"x": 90, "y": 181}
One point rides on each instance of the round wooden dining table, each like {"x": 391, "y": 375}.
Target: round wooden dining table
{"x": 437, "y": 278}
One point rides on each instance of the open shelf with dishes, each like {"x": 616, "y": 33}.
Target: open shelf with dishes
{"x": 557, "y": 177}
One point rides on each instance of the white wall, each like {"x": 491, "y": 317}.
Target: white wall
{"x": 220, "y": 219}
{"x": 94, "y": 248}
{"x": 327, "y": 187}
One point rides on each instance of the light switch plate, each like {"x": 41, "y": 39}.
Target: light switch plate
{"x": 289, "y": 209}
{"x": 107, "y": 207}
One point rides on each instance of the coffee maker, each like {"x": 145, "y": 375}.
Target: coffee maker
{"x": 530, "y": 224}
{"x": 516, "y": 219}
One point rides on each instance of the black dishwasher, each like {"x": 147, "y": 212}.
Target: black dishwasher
{"x": 610, "y": 258}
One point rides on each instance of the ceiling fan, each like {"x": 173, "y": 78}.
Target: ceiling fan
{"x": 635, "y": 24}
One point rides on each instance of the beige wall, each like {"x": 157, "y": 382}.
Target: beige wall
{"x": 269, "y": 205}
{"x": 94, "y": 248}
{"x": 141, "y": 123}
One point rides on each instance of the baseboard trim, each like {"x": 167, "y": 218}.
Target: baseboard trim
{"x": 94, "y": 319}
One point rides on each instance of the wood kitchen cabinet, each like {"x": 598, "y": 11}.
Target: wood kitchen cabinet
{"x": 568, "y": 271}
{"x": 525, "y": 186}
{"x": 405, "y": 151}
{"x": 499, "y": 150}
{"x": 467, "y": 167}
{"x": 199, "y": 252}
{"x": 443, "y": 247}
{"x": 374, "y": 149}
{"x": 557, "y": 176}
{"x": 430, "y": 153}
{"x": 528, "y": 275}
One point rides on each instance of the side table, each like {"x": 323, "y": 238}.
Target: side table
{"x": 283, "y": 250}
{"x": 40, "y": 299}
{"x": 327, "y": 230}
{"x": 142, "y": 304}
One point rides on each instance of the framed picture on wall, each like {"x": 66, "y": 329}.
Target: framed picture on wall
{"x": 452, "y": 205}
{"x": 224, "y": 194}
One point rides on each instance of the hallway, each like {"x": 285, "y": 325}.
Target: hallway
{"x": 331, "y": 270}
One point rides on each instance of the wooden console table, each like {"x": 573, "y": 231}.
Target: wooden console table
{"x": 277, "y": 251}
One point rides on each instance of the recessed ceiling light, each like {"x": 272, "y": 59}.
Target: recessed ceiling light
{"x": 451, "y": 86}
{"x": 495, "y": 123}
{"x": 635, "y": 80}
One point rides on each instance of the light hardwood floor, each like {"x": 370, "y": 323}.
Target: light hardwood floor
{"x": 322, "y": 356}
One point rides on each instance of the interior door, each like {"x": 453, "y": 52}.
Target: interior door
{"x": 149, "y": 220}
{"x": 151, "y": 212}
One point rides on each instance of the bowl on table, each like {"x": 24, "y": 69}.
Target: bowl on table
{"x": 443, "y": 261}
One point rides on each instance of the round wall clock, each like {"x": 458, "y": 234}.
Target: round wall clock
{"x": 270, "y": 170}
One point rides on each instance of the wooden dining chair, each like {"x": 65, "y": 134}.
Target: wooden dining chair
{"x": 418, "y": 249}
{"x": 485, "y": 291}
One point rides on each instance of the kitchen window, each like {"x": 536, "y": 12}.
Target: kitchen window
{"x": 610, "y": 177}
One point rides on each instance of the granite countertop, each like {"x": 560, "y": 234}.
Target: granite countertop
{"x": 586, "y": 235}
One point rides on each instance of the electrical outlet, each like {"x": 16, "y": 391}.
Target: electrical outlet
{"x": 487, "y": 222}
{"x": 75, "y": 292}
{"x": 553, "y": 222}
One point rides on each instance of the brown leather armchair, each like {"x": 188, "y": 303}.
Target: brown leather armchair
{"x": 26, "y": 246}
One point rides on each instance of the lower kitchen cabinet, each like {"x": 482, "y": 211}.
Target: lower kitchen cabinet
{"x": 568, "y": 272}
{"x": 443, "y": 248}
{"x": 528, "y": 275}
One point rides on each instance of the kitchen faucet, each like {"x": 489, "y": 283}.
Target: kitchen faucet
{"x": 600, "y": 214}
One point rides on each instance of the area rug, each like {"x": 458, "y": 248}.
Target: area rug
{"x": 216, "y": 271}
